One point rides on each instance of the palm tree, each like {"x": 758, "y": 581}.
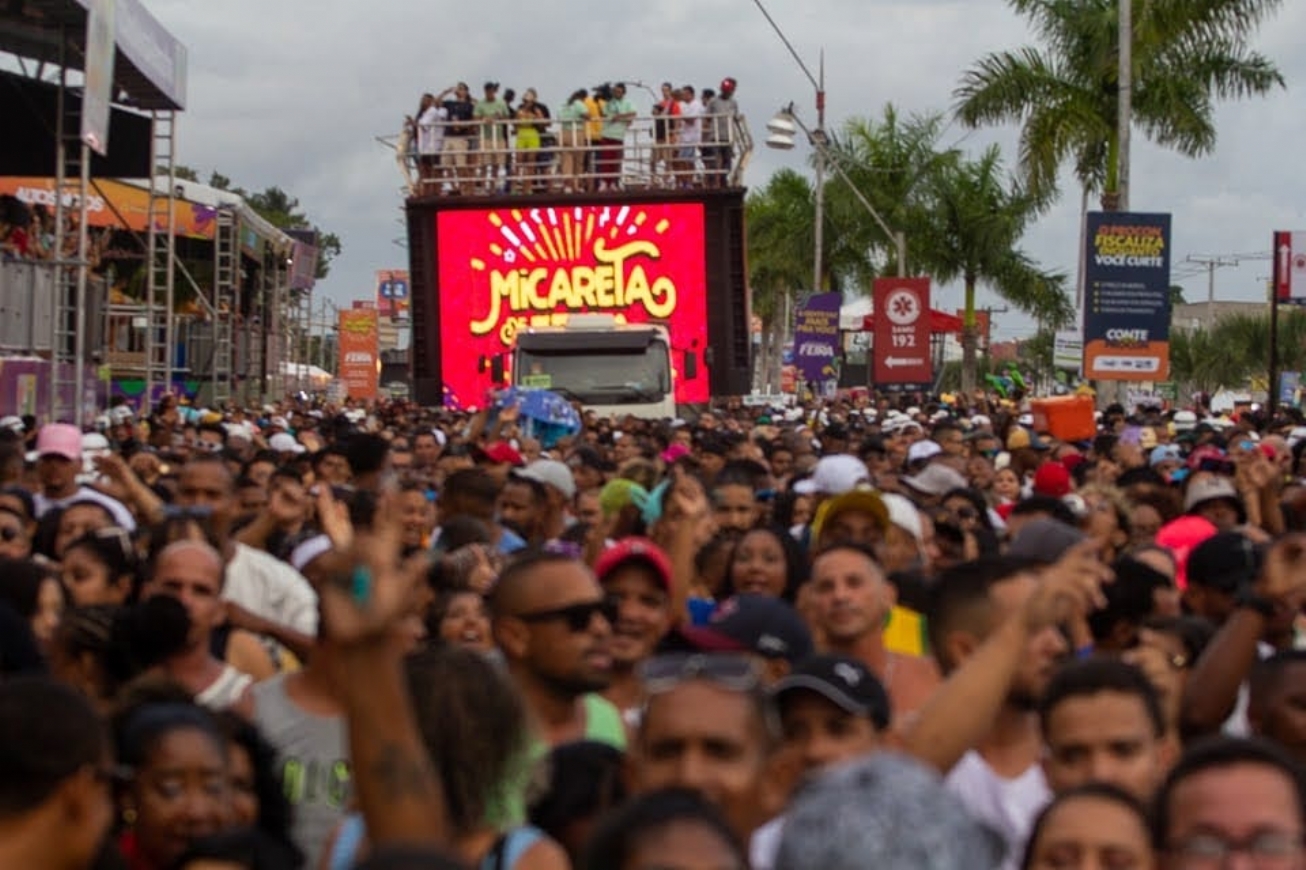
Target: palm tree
{"x": 781, "y": 248}
{"x": 978, "y": 218}
{"x": 1186, "y": 55}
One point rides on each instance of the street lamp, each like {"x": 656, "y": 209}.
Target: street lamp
{"x": 783, "y": 128}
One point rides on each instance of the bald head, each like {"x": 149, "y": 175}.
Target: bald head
{"x": 195, "y": 557}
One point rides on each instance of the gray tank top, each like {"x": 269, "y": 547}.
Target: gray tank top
{"x": 313, "y": 752}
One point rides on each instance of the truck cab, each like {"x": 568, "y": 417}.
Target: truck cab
{"x": 610, "y": 367}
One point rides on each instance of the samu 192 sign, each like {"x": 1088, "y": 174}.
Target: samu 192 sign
{"x": 902, "y": 333}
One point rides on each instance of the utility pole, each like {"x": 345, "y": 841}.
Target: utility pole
{"x": 1211, "y": 263}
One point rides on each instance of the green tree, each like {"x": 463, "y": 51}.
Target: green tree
{"x": 1187, "y": 54}
{"x": 978, "y": 218}
{"x": 1177, "y": 295}
{"x": 781, "y": 248}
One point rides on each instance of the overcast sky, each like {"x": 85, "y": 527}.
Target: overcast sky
{"x": 294, "y": 94}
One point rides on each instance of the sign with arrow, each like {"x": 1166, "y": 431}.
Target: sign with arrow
{"x": 902, "y": 332}
{"x": 1290, "y": 267}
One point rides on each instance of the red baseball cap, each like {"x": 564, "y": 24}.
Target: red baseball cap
{"x": 1052, "y": 478}
{"x": 501, "y": 452}
{"x": 635, "y": 549}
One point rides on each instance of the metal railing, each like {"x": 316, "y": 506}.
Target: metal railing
{"x": 656, "y": 153}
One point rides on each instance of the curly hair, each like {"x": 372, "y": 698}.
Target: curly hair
{"x": 455, "y": 692}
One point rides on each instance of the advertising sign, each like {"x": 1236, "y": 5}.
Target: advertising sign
{"x": 1067, "y": 350}
{"x": 816, "y": 338}
{"x": 393, "y": 293}
{"x": 98, "y": 90}
{"x": 359, "y": 352}
{"x": 902, "y": 332}
{"x": 1127, "y": 297}
{"x": 1290, "y": 267}
{"x": 504, "y": 270}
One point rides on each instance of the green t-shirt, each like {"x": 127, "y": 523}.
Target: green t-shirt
{"x": 602, "y": 725}
{"x": 612, "y": 128}
{"x": 494, "y": 110}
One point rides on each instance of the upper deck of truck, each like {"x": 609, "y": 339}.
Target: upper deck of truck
{"x": 555, "y": 159}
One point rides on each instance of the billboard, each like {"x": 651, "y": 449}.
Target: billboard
{"x": 816, "y": 338}
{"x": 360, "y": 354}
{"x": 1290, "y": 267}
{"x": 1127, "y": 297}
{"x": 902, "y": 333}
{"x": 393, "y": 294}
{"x": 98, "y": 87}
{"x": 507, "y": 269}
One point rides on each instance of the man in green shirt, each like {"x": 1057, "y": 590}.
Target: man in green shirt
{"x": 618, "y": 112}
{"x": 491, "y": 115}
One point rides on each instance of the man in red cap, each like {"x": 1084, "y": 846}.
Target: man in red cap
{"x": 719, "y": 133}
{"x": 1052, "y": 479}
{"x": 636, "y": 576}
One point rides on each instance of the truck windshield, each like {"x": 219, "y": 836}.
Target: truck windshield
{"x": 598, "y": 376}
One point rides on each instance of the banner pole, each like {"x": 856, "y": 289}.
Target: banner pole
{"x": 1272, "y": 400}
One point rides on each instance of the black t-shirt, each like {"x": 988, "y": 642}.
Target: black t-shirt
{"x": 460, "y": 111}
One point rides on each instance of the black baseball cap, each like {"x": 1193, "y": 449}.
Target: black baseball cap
{"x": 843, "y": 681}
{"x": 757, "y": 624}
{"x": 1225, "y": 562}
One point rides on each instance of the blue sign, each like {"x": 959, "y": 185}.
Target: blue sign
{"x": 816, "y": 338}
{"x": 1127, "y": 297}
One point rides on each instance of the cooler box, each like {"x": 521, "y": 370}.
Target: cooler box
{"x": 1066, "y": 418}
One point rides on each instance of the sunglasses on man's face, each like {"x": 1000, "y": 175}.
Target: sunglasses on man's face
{"x": 577, "y": 617}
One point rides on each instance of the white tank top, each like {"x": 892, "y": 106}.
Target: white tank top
{"x": 225, "y": 690}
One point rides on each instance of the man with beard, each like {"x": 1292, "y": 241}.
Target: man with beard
{"x": 554, "y": 627}
{"x": 636, "y": 576}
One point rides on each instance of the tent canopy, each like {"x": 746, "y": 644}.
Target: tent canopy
{"x": 941, "y": 322}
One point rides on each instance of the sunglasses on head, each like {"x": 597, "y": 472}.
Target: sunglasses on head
{"x": 662, "y": 673}
{"x": 578, "y": 617}
{"x": 1217, "y": 466}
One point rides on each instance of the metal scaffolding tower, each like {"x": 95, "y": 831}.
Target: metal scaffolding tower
{"x": 160, "y": 292}
{"x": 226, "y": 303}
{"x": 68, "y": 340}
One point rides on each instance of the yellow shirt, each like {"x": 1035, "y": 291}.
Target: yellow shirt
{"x": 594, "y": 127}
{"x": 905, "y": 633}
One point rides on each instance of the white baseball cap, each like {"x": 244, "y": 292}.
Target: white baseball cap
{"x": 834, "y": 475}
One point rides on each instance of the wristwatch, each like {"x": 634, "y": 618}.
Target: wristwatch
{"x": 1247, "y": 597}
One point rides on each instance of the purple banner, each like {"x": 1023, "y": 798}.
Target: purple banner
{"x": 816, "y": 338}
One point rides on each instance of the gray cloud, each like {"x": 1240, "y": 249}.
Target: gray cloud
{"x": 293, "y": 93}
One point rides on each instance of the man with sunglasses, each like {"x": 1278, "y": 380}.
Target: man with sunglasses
{"x": 553, "y": 623}
{"x": 708, "y": 725}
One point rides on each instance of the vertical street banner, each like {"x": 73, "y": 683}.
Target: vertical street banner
{"x": 816, "y": 339}
{"x": 902, "y": 333}
{"x": 1127, "y": 297}
{"x": 359, "y": 352}
{"x": 1290, "y": 268}
{"x": 97, "y": 94}
{"x": 392, "y": 293}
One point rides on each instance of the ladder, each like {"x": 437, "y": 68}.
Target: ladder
{"x": 160, "y": 278}
{"x": 226, "y": 304}
{"x": 67, "y": 349}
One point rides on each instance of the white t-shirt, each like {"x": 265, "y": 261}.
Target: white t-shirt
{"x": 1008, "y": 806}
{"x": 691, "y": 122}
{"x": 764, "y": 845}
{"x": 268, "y": 587}
{"x": 430, "y": 131}
{"x": 121, "y": 516}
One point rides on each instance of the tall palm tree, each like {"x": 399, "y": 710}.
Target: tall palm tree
{"x": 1186, "y": 55}
{"x": 979, "y": 218}
{"x": 780, "y": 218}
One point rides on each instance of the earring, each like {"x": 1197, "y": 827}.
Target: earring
{"x": 129, "y": 816}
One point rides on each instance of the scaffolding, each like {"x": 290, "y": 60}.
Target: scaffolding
{"x": 160, "y": 256}
{"x": 226, "y": 303}
{"x": 67, "y": 341}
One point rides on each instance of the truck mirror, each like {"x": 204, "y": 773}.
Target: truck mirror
{"x": 496, "y": 369}
{"x": 690, "y": 366}
{"x": 483, "y": 364}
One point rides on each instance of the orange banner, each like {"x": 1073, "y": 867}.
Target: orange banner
{"x": 360, "y": 352}
{"x": 112, "y": 204}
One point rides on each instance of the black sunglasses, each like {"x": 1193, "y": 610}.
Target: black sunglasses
{"x": 578, "y": 617}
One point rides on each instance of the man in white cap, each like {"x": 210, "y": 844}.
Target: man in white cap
{"x": 58, "y": 461}
{"x": 559, "y": 490}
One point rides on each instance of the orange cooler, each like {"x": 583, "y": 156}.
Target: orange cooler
{"x": 1066, "y": 418}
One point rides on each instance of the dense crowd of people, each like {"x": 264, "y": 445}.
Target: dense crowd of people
{"x": 27, "y": 232}
{"x": 840, "y": 635}
{"x": 499, "y": 144}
